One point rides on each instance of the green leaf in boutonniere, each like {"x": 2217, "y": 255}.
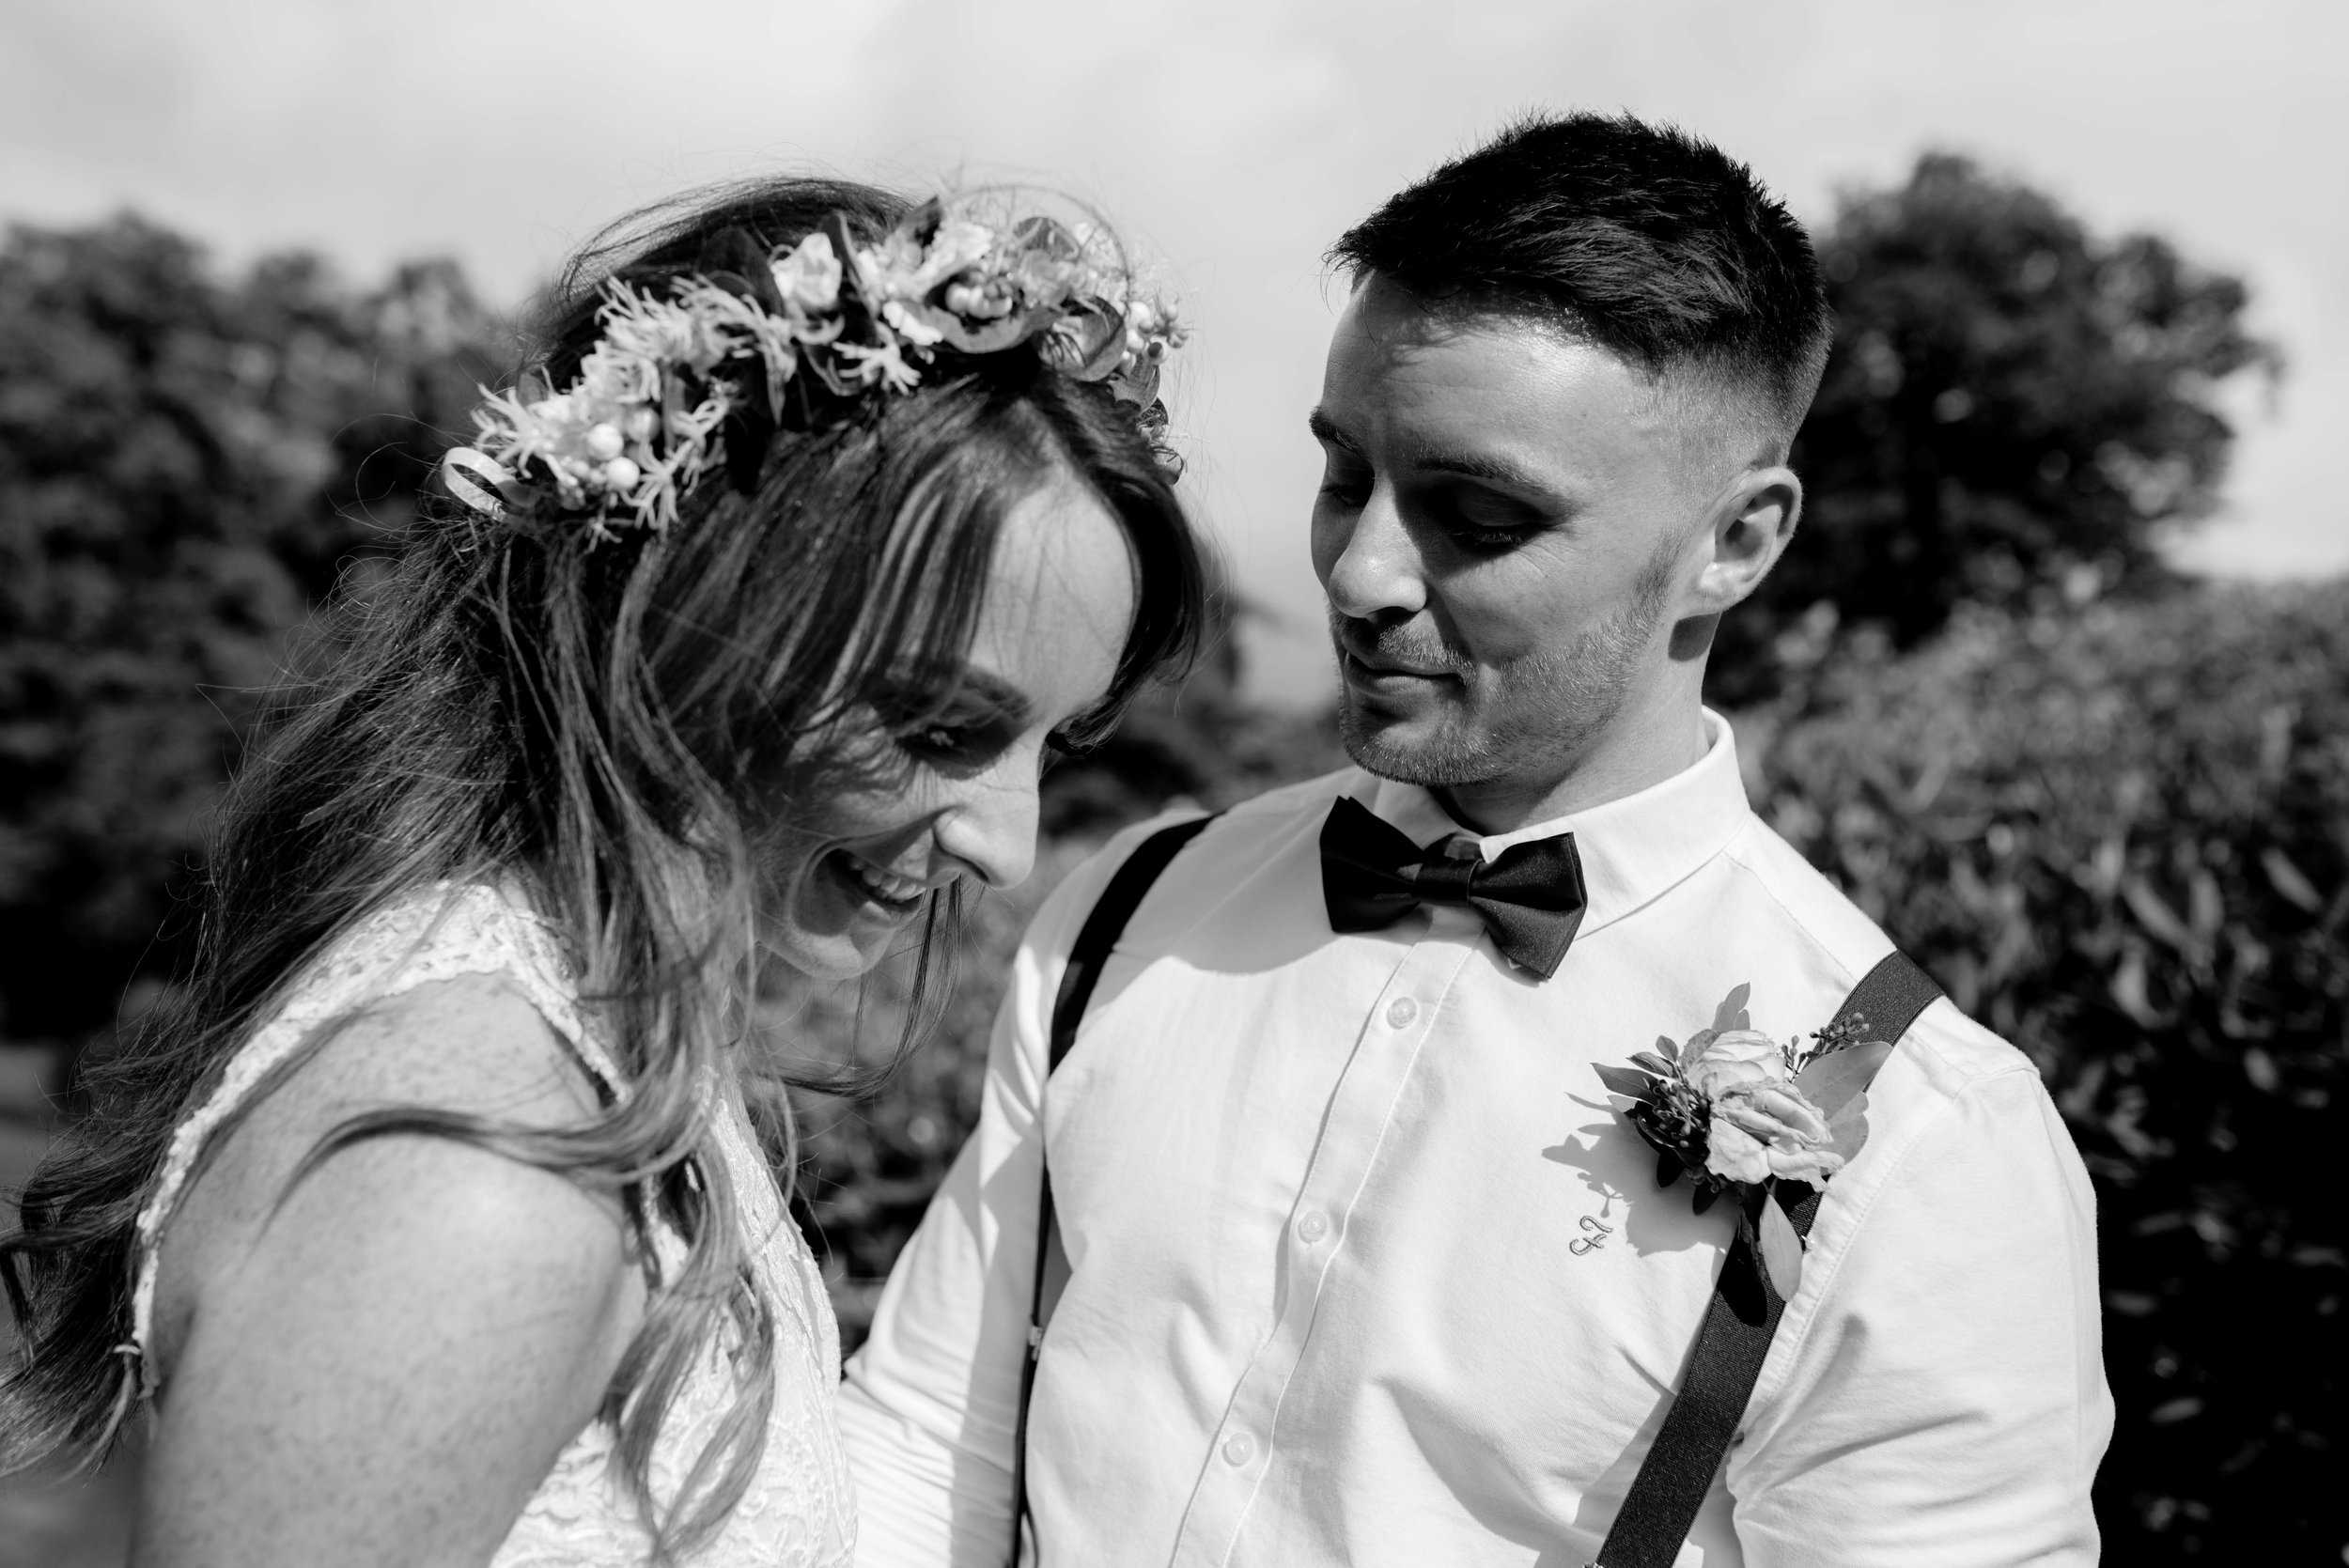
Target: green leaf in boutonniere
{"x": 1838, "y": 1083}
{"x": 1780, "y": 1249}
{"x": 1827, "y": 1082}
{"x": 1631, "y": 1085}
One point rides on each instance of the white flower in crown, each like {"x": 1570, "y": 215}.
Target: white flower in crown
{"x": 808, "y": 276}
{"x": 641, "y": 424}
{"x": 882, "y": 364}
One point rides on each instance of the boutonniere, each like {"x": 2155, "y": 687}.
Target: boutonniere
{"x": 1739, "y": 1112}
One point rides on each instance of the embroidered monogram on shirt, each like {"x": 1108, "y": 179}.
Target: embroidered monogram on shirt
{"x": 1594, "y": 1230}
{"x": 1599, "y": 1231}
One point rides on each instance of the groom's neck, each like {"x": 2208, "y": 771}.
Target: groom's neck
{"x": 1642, "y": 746}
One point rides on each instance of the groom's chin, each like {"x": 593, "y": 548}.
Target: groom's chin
{"x": 1419, "y": 748}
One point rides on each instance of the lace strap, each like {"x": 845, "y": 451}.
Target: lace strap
{"x": 438, "y": 934}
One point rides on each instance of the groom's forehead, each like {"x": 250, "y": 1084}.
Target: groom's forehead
{"x": 1407, "y": 369}
{"x": 1400, "y": 320}
{"x": 1395, "y": 371}
{"x": 1472, "y": 345}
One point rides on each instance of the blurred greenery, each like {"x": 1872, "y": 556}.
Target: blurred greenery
{"x": 2119, "y": 836}
{"x": 2016, "y": 410}
{"x": 2107, "y": 809}
{"x": 187, "y": 466}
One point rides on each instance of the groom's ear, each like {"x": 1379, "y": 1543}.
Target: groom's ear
{"x": 1746, "y": 531}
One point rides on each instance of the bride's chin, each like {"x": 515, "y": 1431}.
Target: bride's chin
{"x": 833, "y": 926}
{"x": 818, "y": 955}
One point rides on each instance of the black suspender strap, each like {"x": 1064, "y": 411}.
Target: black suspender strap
{"x": 1086, "y": 960}
{"x": 1743, "y": 1315}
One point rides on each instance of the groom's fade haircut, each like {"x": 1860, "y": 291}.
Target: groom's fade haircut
{"x": 1644, "y": 240}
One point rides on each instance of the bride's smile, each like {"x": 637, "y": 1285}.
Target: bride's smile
{"x": 949, "y": 796}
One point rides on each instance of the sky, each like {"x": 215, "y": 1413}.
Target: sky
{"x": 1233, "y": 138}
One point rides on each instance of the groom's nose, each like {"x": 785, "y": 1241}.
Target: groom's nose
{"x": 1377, "y": 574}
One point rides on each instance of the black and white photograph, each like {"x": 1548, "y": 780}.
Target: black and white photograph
{"x": 1530, "y": 783}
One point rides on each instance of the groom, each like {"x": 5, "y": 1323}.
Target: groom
{"x": 1365, "y": 1266}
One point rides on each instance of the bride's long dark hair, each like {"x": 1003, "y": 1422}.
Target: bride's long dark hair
{"x": 613, "y": 725}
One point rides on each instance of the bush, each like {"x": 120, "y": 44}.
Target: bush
{"x": 2121, "y": 840}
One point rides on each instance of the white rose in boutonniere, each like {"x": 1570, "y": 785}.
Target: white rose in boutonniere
{"x": 1739, "y": 1112}
{"x": 1760, "y": 1130}
{"x": 1736, "y": 1056}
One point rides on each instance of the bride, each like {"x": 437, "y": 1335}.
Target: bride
{"x": 439, "y": 1223}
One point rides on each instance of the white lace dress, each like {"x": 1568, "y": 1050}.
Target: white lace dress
{"x": 799, "y": 1511}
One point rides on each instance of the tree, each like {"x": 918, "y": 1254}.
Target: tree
{"x": 2015, "y": 409}
{"x": 186, "y": 466}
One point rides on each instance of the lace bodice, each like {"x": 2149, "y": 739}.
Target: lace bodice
{"x": 798, "y": 1511}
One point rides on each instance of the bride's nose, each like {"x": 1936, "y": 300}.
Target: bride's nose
{"x": 990, "y": 826}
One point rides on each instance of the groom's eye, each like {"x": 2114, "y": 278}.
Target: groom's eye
{"x": 1345, "y": 481}
{"x": 1484, "y": 522}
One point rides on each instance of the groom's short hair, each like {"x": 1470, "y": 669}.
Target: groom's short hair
{"x": 1648, "y": 242}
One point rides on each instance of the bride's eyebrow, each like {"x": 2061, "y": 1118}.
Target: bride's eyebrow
{"x": 1005, "y": 698}
{"x": 933, "y": 685}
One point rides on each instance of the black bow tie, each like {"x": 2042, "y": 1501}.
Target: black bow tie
{"x": 1530, "y": 896}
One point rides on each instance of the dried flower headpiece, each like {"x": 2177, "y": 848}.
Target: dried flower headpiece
{"x": 700, "y": 372}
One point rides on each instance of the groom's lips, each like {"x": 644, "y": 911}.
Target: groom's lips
{"x": 1386, "y": 688}
{"x": 1374, "y": 674}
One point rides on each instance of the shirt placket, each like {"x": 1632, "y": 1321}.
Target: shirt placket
{"x": 1244, "y": 1444}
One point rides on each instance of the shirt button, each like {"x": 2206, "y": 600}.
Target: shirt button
{"x": 1400, "y": 1012}
{"x": 1239, "y": 1449}
{"x": 1313, "y": 1226}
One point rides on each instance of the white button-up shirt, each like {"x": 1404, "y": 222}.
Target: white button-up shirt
{"x": 1368, "y": 1270}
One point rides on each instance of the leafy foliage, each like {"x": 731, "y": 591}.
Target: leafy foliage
{"x": 2121, "y": 838}
{"x": 2015, "y": 409}
{"x": 185, "y": 465}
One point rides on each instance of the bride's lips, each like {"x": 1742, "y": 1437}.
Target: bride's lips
{"x": 864, "y": 882}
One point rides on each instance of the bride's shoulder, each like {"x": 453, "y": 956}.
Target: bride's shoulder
{"x": 475, "y": 1041}
{"x": 450, "y": 1312}
{"x": 453, "y": 997}
{"x": 470, "y": 1046}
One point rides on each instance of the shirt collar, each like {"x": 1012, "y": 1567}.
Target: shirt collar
{"x": 1632, "y": 849}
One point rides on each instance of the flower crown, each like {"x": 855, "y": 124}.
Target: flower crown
{"x": 700, "y": 374}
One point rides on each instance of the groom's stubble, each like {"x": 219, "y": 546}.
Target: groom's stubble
{"x": 1532, "y": 718}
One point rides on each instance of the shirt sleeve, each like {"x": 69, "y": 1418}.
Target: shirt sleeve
{"x": 1945, "y": 1405}
{"x": 928, "y": 1404}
